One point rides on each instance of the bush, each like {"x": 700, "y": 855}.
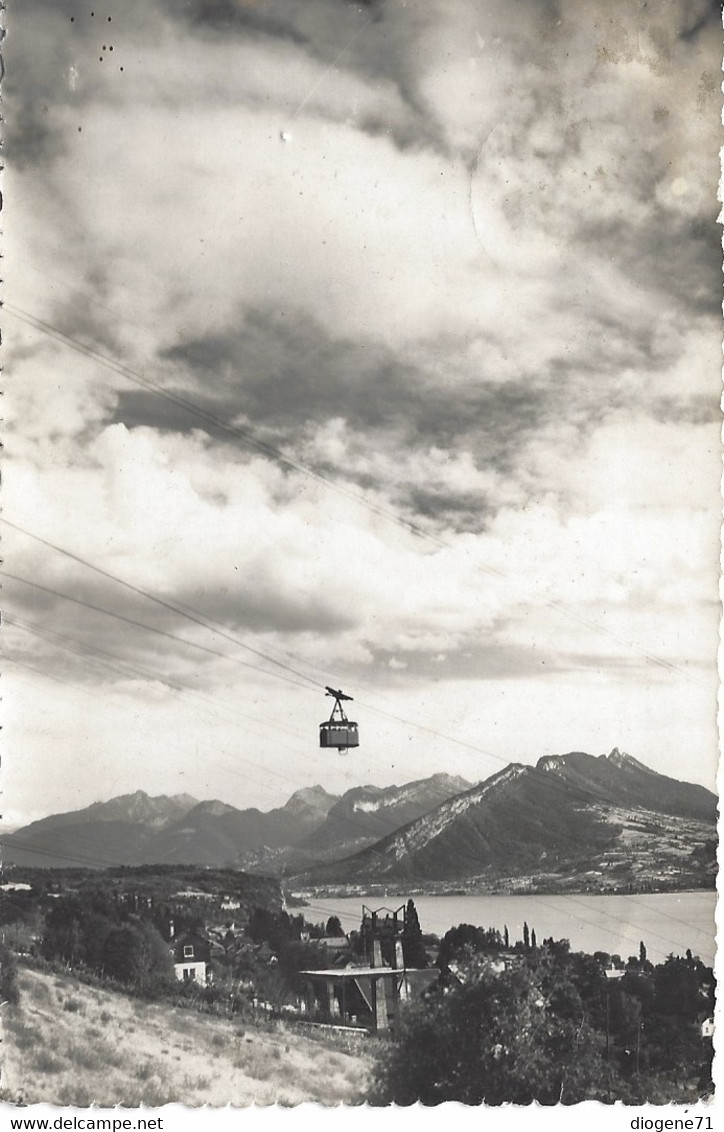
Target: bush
{"x": 43, "y": 1061}
{"x": 8, "y": 975}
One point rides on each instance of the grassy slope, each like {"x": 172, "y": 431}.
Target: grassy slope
{"x": 70, "y": 1044}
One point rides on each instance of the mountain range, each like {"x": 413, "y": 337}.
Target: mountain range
{"x": 609, "y": 819}
{"x": 135, "y": 829}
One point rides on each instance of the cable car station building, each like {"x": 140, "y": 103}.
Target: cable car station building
{"x": 368, "y": 996}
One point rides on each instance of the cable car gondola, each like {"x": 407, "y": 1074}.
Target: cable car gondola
{"x": 338, "y": 731}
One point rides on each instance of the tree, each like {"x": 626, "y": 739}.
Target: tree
{"x": 413, "y": 948}
{"x": 526, "y": 937}
{"x": 679, "y": 984}
{"x": 518, "y": 1037}
{"x": 117, "y": 956}
{"x": 533, "y": 940}
{"x": 63, "y": 935}
{"x": 506, "y": 937}
{"x": 642, "y": 952}
{"x": 273, "y": 987}
{"x": 274, "y": 928}
{"x": 95, "y": 931}
{"x": 19, "y": 907}
{"x": 135, "y": 953}
{"x": 296, "y": 956}
{"x": 334, "y": 926}
{"x": 466, "y": 940}
{"x": 152, "y": 966}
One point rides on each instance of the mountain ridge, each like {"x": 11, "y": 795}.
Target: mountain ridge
{"x": 565, "y": 811}
{"x": 134, "y": 829}
{"x": 138, "y": 807}
{"x": 370, "y": 812}
{"x": 573, "y": 813}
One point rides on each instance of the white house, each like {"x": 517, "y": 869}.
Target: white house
{"x": 191, "y": 954}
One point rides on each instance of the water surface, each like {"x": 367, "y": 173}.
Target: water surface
{"x": 668, "y": 922}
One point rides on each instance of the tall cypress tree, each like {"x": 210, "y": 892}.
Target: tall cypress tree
{"x": 526, "y": 936}
{"x": 412, "y": 945}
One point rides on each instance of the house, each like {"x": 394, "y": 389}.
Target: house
{"x": 367, "y": 995}
{"x": 264, "y": 953}
{"x": 333, "y": 944}
{"x": 364, "y": 997}
{"x": 191, "y": 955}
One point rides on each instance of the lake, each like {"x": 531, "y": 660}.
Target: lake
{"x": 667, "y": 921}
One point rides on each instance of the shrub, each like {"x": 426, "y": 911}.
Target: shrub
{"x": 8, "y": 975}
{"x": 93, "y": 1055}
{"x": 24, "y": 1037}
{"x": 43, "y": 1061}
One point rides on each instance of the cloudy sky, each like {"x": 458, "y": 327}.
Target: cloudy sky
{"x": 373, "y": 344}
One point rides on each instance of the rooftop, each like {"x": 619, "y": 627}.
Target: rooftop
{"x": 366, "y": 972}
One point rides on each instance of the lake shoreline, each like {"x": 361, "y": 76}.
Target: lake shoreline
{"x": 668, "y": 922}
{"x": 518, "y": 886}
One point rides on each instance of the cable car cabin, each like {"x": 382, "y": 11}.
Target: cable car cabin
{"x": 338, "y": 731}
{"x": 339, "y": 734}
